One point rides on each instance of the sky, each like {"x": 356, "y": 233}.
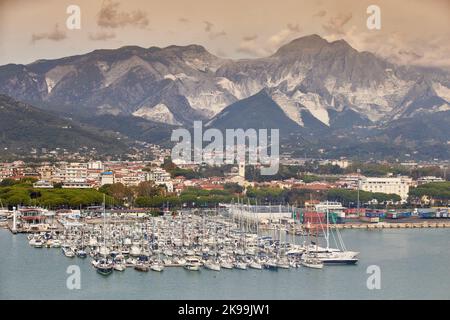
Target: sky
{"x": 412, "y": 31}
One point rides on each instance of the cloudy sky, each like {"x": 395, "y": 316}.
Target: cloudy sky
{"x": 412, "y": 31}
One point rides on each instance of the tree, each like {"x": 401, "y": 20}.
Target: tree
{"x": 7, "y": 182}
{"x": 233, "y": 188}
{"x": 148, "y": 189}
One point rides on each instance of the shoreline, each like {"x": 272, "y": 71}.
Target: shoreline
{"x": 439, "y": 224}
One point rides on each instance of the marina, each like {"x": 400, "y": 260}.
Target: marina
{"x": 249, "y": 252}
{"x": 203, "y": 240}
{"x": 29, "y": 273}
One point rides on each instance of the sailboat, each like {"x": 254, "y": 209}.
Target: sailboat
{"x": 81, "y": 253}
{"x": 104, "y": 266}
{"x": 212, "y": 265}
{"x": 335, "y": 256}
{"x": 68, "y": 252}
{"x": 309, "y": 259}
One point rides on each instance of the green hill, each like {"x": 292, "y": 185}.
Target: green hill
{"x": 23, "y": 127}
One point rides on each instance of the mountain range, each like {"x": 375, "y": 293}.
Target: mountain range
{"x": 322, "y": 95}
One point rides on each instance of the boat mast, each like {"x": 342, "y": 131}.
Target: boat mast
{"x": 104, "y": 221}
{"x": 328, "y": 229}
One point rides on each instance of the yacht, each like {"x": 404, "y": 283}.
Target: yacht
{"x": 255, "y": 265}
{"x": 192, "y": 264}
{"x": 68, "y": 252}
{"x": 135, "y": 251}
{"x": 119, "y": 266}
{"x": 226, "y": 264}
{"x": 38, "y": 243}
{"x": 104, "y": 267}
{"x": 311, "y": 262}
{"x": 338, "y": 257}
{"x": 55, "y": 243}
{"x": 212, "y": 265}
{"x": 270, "y": 265}
{"x": 141, "y": 266}
{"x": 157, "y": 267}
{"x": 240, "y": 265}
{"x": 283, "y": 263}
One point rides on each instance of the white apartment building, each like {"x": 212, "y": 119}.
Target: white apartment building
{"x": 107, "y": 178}
{"x": 95, "y": 165}
{"x": 399, "y": 185}
{"x": 160, "y": 177}
{"x": 71, "y": 172}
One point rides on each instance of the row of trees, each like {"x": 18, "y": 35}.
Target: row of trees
{"x": 436, "y": 190}
{"x": 51, "y": 198}
{"x": 149, "y": 195}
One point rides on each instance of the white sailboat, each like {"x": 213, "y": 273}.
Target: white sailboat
{"x": 212, "y": 265}
{"x": 104, "y": 266}
{"x": 335, "y": 256}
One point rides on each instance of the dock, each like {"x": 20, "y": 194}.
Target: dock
{"x": 393, "y": 225}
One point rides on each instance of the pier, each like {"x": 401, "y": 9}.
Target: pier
{"x": 393, "y": 225}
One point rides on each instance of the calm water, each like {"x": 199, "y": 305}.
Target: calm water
{"x": 414, "y": 265}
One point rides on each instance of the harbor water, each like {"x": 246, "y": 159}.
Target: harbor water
{"x": 413, "y": 264}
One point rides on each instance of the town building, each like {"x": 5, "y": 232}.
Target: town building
{"x": 398, "y": 185}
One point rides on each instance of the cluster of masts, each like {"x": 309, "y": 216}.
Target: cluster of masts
{"x": 195, "y": 242}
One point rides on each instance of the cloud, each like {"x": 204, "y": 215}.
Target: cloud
{"x": 250, "y": 46}
{"x": 183, "y": 20}
{"x": 101, "y": 36}
{"x": 250, "y": 38}
{"x": 208, "y": 26}
{"x": 336, "y": 24}
{"x": 55, "y": 35}
{"x": 215, "y": 35}
{"x": 282, "y": 37}
{"x": 293, "y": 28}
{"x": 320, "y": 14}
{"x": 109, "y": 16}
{"x": 399, "y": 47}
